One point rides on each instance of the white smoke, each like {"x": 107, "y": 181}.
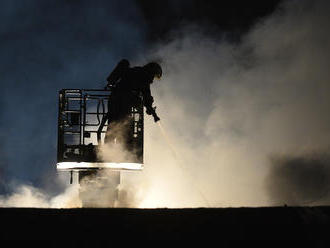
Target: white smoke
{"x": 229, "y": 108}
{"x": 31, "y": 197}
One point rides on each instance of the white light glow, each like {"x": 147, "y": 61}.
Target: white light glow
{"x": 86, "y": 165}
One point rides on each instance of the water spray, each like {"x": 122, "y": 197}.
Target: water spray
{"x": 179, "y": 159}
{"x": 168, "y": 141}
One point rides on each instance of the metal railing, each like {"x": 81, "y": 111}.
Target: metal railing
{"x": 82, "y": 120}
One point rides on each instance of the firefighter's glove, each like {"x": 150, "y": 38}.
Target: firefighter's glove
{"x": 156, "y": 118}
{"x": 152, "y": 111}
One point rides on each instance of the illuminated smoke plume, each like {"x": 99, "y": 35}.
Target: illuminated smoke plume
{"x": 230, "y": 109}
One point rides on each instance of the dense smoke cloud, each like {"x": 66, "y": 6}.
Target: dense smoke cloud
{"x": 231, "y": 108}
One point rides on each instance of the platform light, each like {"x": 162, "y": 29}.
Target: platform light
{"x": 87, "y": 166}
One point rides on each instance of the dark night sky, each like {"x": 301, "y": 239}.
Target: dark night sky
{"x": 234, "y": 17}
{"x": 49, "y": 45}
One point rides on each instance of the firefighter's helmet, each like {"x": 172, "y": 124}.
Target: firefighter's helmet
{"x": 155, "y": 69}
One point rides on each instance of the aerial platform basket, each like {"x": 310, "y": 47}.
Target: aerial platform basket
{"x": 82, "y": 126}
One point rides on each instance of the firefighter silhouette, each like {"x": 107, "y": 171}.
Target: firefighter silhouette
{"x": 128, "y": 85}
